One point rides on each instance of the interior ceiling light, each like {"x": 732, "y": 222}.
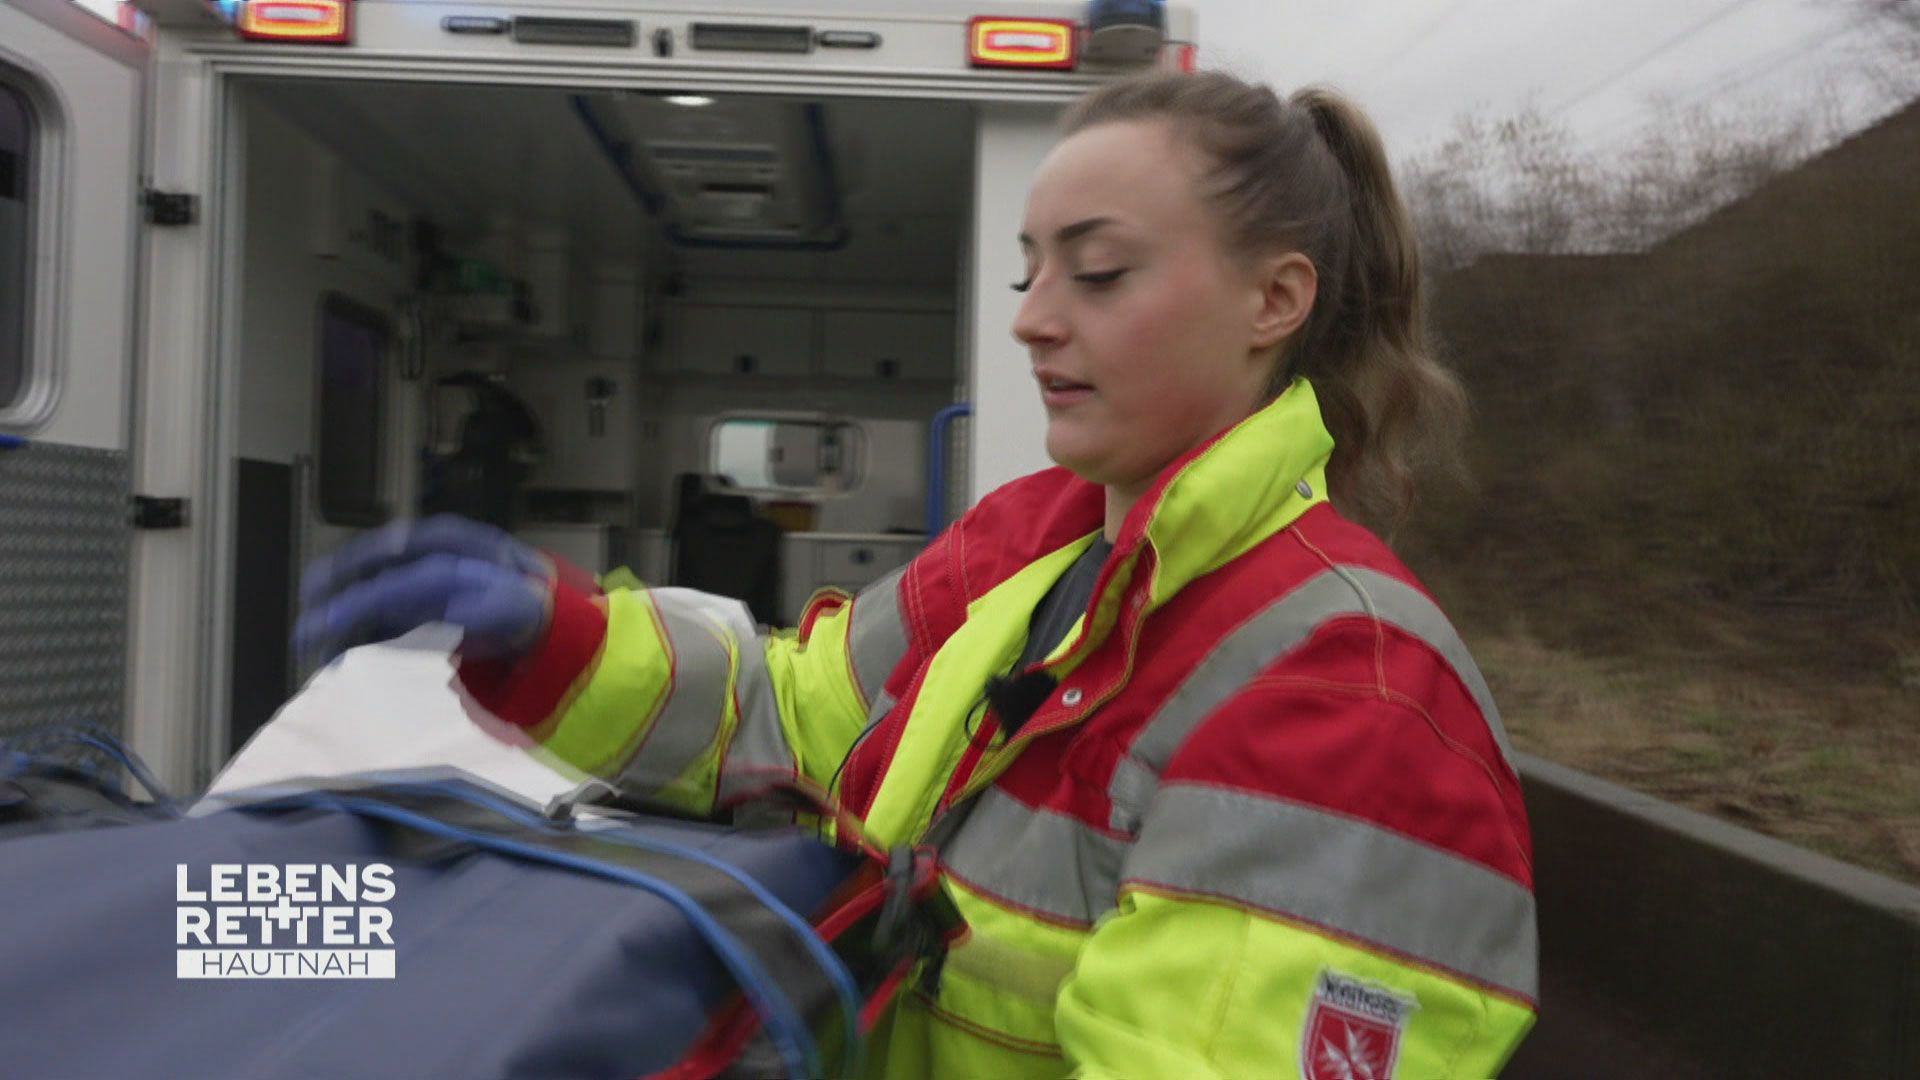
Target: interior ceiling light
{"x": 691, "y": 101}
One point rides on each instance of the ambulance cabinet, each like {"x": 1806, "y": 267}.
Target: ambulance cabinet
{"x": 720, "y": 340}
{"x": 850, "y": 561}
{"x": 588, "y": 415}
{"x": 887, "y": 344}
{"x": 742, "y": 340}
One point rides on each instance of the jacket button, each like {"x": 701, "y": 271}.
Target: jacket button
{"x": 1071, "y": 697}
{"x": 1305, "y": 489}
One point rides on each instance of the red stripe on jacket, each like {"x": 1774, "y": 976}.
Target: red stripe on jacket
{"x": 1416, "y": 759}
{"x": 1422, "y": 761}
{"x": 528, "y": 691}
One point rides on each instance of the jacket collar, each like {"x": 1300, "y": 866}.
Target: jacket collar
{"x": 1213, "y": 504}
{"x": 1204, "y": 510}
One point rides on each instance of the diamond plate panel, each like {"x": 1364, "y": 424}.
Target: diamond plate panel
{"x": 64, "y": 551}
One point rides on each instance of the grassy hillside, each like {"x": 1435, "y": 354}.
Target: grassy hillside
{"x": 1692, "y": 561}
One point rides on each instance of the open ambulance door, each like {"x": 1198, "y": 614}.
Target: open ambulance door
{"x": 183, "y": 442}
{"x": 71, "y": 93}
{"x": 107, "y": 400}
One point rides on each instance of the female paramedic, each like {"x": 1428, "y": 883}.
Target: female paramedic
{"x": 1216, "y": 785}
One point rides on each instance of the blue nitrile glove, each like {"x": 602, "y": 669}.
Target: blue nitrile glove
{"x": 445, "y": 569}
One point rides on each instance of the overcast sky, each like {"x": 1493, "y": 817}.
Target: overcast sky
{"x": 1594, "y": 64}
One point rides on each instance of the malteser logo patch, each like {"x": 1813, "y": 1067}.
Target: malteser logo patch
{"x": 1353, "y": 1029}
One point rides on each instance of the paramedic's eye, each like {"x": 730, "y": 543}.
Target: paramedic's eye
{"x": 1023, "y": 286}
{"x": 1103, "y": 278}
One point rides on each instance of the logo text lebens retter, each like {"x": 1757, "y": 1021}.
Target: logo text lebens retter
{"x": 300, "y": 920}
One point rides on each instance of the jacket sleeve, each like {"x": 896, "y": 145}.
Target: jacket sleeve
{"x": 650, "y": 690}
{"x": 1330, "y": 880}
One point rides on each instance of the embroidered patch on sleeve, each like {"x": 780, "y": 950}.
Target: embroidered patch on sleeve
{"x": 1353, "y": 1029}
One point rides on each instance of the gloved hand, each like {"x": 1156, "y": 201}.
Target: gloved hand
{"x": 405, "y": 575}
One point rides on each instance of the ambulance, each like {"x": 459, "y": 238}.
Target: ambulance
{"x": 714, "y": 292}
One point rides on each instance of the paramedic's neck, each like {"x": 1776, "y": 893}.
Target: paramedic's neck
{"x": 1120, "y": 500}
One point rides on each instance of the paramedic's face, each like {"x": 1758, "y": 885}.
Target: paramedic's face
{"x": 1138, "y": 322}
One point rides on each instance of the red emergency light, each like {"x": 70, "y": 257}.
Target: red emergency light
{"x": 1023, "y": 43}
{"x": 312, "y": 22}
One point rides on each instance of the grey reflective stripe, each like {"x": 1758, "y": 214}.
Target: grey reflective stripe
{"x": 759, "y": 744}
{"x": 1284, "y": 626}
{"x": 1041, "y": 860}
{"x": 1345, "y": 875}
{"x": 690, "y": 719}
{"x": 877, "y": 639}
{"x": 1402, "y": 605}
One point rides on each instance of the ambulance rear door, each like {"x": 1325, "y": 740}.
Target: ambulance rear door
{"x": 72, "y": 85}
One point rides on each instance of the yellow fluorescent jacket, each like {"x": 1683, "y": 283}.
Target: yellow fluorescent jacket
{"x": 1265, "y": 824}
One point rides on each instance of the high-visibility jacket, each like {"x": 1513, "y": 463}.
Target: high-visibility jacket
{"x": 1265, "y": 824}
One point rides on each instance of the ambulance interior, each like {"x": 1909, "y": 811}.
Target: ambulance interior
{"x": 708, "y": 339}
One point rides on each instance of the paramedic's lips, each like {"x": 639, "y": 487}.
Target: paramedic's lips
{"x": 1057, "y": 391}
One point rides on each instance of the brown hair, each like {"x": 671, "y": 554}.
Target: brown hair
{"x": 1308, "y": 173}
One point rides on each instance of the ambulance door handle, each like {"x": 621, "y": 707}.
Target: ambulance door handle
{"x": 599, "y": 392}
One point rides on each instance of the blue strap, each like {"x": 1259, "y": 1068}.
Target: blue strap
{"x": 21, "y": 756}
{"x": 786, "y": 1028}
{"x": 837, "y": 973}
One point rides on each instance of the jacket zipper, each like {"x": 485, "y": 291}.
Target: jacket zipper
{"x": 995, "y": 762}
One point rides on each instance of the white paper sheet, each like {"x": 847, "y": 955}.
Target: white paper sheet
{"x": 397, "y": 706}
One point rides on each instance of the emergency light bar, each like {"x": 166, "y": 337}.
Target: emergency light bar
{"x": 310, "y": 22}
{"x": 1023, "y": 43}
{"x": 745, "y": 37}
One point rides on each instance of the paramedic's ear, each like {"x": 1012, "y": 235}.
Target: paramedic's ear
{"x": 1287, "y": 285}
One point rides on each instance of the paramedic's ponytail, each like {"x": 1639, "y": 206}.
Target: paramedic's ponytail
{"x": 1309, "y": 174}
{"x": 1385, "y": 397}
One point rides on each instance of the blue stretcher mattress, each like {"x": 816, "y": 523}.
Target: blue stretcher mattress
{"x": 503, "y": 967}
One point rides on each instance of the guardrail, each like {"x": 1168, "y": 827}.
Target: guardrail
{"x": 1675, "y": 945}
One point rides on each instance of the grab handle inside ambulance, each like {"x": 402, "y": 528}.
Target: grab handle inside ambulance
{"x": 937, "y": 465}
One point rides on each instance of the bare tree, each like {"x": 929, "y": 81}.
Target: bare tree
{"x": 1455, "y": 212}
{"x": 1550, "y": 185}
{"x": 1522, "y": 184}
{"x": 1893, "y": 43}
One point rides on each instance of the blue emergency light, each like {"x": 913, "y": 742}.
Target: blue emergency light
{"x": 1125, "y": 31}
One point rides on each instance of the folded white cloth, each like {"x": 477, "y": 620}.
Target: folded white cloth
{"x": 397, "y": 705}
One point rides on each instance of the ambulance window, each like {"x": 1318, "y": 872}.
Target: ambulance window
{"x": 353, "y": 384}
{"x": 16, "y": 145}
{"x": 786, "y": 455}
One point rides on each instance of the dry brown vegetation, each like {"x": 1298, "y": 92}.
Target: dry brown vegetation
{"x": 1692, "y": 561}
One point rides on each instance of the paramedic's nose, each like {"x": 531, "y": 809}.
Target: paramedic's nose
{"x": 1035, "y": 324}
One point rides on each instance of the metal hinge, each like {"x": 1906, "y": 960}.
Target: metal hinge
{"x": 170, "y": 207}
{"x": 152, "y": 512}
